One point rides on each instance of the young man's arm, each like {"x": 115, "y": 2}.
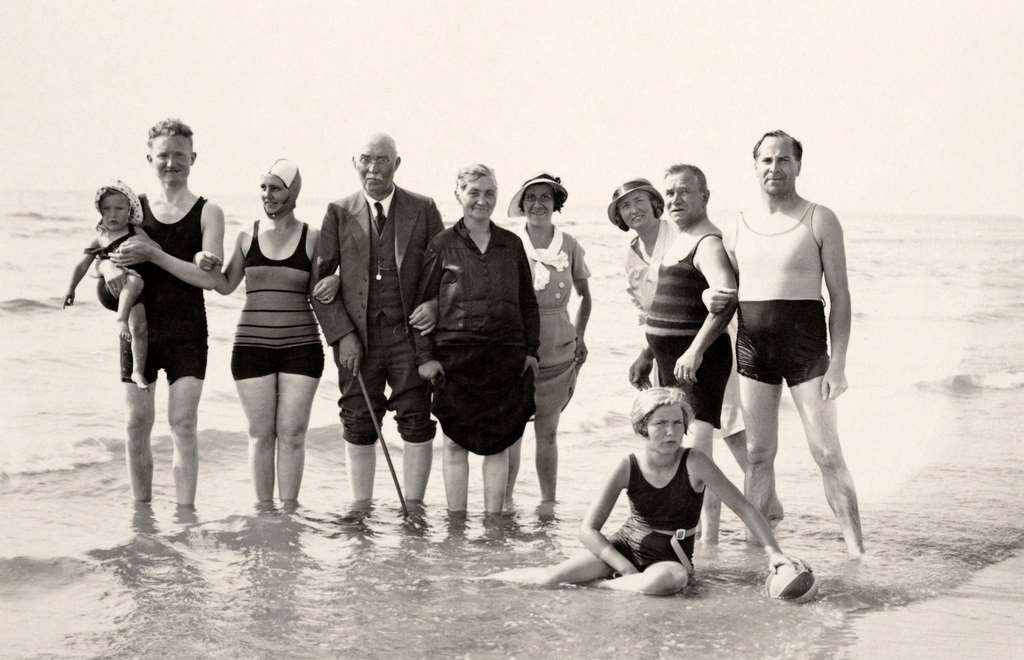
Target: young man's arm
{"x": 141, "y": 248}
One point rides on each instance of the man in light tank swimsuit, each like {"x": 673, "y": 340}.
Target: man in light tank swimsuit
{"x": 781, "y": 256}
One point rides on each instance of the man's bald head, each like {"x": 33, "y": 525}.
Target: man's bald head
{"x": 376, "y": 163}
{"x": 378, "y": 142}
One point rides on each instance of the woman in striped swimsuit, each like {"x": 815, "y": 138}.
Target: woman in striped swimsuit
{"x": 277, "y": 359}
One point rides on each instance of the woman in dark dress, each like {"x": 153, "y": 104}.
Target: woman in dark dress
{"x": 482, "y": 356}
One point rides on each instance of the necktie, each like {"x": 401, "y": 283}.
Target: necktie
{"x": 379, "y": 221}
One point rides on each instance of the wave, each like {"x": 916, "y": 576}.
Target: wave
{"x": 18, "y": 305}
{"x": 972, "y": 383}
{"x": 1008, "y": 312}
{"x": 90, "y": 451}
{"x": 35, "y": 215}
{"x": 35, "y": 573}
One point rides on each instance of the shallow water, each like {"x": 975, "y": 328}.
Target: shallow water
{"x": 981, "y": 618}
{"x": 929, "y": 428}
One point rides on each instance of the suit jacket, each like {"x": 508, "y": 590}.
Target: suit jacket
{"x": 345, "y": 244}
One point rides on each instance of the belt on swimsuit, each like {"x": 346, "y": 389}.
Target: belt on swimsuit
{"x": 675, "y": 540}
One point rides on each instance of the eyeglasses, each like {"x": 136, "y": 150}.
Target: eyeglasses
{"x": 379, "y": 161}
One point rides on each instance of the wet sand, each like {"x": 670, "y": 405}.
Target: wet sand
{"x": 982, "y": 618}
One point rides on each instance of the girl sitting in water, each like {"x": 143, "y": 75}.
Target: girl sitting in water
{"x": 652, "y": 552}
{"x": 120, "y": 219}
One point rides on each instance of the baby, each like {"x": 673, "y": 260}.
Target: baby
{"x": 120, "y": 218}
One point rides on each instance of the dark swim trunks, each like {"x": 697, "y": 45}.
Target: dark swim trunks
{"x": 643, "y": 546}
{"x": 256, "y": 361}
{"x": 782, "y": 339}
{"x": 707, "y": 393}
{"x": 176, "y": 359}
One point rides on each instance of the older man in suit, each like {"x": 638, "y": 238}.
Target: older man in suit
{"x": 367, "y": 269}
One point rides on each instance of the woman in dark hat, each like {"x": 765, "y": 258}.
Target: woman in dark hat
{"x": 482, "y": 356}
{"x": 557, "y": 266}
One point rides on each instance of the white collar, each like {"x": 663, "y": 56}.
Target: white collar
{"x": 667, "y": 233}
{"x": 551, "y": 256}
{"x": 386, "y": 202}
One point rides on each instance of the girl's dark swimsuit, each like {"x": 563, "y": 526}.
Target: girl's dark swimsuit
{"x": 107, "y": 300}
{"x": 104, "y": 252}
{"x": 676, "y": 506}
{"x": 110, "y": 302}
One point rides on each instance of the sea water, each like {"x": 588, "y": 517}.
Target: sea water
{"x": 930, "y": 428}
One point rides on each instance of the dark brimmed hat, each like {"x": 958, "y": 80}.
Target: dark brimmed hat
{"x": 634, "y": 184}
{"x": 515, "y": 205}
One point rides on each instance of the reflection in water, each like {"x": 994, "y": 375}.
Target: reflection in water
{"x": 143, "y": 520}
{"x": 546, "y": 512}
{"x": 185, "y": 514}
{"x": 367, "y": 582}
{"x": 164, "y": 592}
{"x": 270, "y": 563}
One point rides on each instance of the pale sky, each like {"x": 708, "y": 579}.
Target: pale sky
{"x": 902, "y": 107}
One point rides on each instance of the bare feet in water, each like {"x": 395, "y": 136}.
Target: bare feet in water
{"x": 140, "y": 380}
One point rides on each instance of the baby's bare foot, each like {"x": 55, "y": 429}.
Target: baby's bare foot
{"x": 140, "y": 380}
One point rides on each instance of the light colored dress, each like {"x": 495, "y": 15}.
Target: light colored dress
{"x": 555, "y": 268}
{"x": 642, "y": 268}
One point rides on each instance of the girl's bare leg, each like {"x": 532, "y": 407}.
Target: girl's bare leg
{"x": 584, "y": 566}
{"x": 131, "y": 325}
{"x": 661, "y": 579}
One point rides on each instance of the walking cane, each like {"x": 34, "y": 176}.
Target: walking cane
{"x": 383, "y": 445}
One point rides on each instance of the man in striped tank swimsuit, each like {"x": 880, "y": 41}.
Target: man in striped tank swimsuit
{"x": 781, "y": 257}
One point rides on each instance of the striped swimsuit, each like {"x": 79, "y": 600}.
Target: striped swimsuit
{"x": 675, "y": 317}
{"x": 277, "y": 331}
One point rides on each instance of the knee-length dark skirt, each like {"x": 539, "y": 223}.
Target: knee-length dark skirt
{"x": 485, "y": 400}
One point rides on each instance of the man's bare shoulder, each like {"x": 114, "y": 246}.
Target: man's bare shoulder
{"x": 212, "y": 212}
{"x": 728, "y": 227}
{"x": 825, "y": 223}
